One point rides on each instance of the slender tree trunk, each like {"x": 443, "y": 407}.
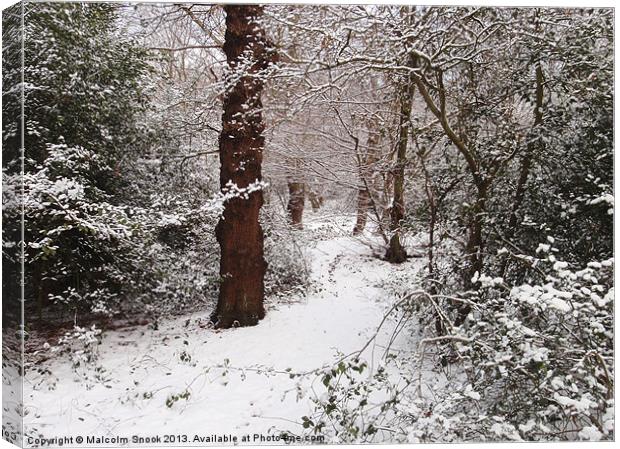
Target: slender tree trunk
{"x": 296, "y": 186}
{"x": 296, "y": 202}
{"x": 526, "y": 162}
{"x": 475, "y": 242}
{"x": 474, "y": 249}
{"x": 365, "y": 168}
{"x": 239, "y": 233}
{"x": 363, "y": 203}
{"x": 432, "y": 206}
{"x": 524, "y": 173}
{"x": 396, "y": 253}
{"x": 315, "y": 200}
{"x": 388, "y": 182}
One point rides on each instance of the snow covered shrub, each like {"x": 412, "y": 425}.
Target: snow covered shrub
{"x": 89, "y": 254}
{"x": 83, "y": 95}
{"x": 540, "y": 354}
{"x": 358, "y": 402}
{"x": 81, "y": 346}
{"x": 176, "y": 265}
{"x": 533, "y": 361}
{"x": 287, "y": 270}
{"x": 71, "y": 228}
{"x": 83, "y": 80}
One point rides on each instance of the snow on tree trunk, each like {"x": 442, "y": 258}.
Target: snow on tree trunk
{"x": 364, "y": 198}
{"x": 363, "y": 201}
{"x": 396, "y": 253}
{"x": 239, "y": 233}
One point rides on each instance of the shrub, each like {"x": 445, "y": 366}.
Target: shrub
{"x": 532, "y": 361}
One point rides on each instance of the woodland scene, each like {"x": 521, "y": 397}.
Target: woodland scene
{"x": 326, "y": 223}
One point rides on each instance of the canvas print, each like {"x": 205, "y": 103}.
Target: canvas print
{"x": 229, "y": 224}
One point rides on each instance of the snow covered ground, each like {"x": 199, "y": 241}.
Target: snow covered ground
{"x": 187, "y": 379}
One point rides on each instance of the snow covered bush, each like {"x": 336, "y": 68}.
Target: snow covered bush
{"x": 84, "y": 92}
{"x": 81, "y": 347}
{"x": 358, "y": 402}
{"x": 540, "y": 354}
{"x": 287, "y": 266}
{"x": 71, "y": 227}
{"x": 176, "y": 263}
{"x": 532, "y": 361}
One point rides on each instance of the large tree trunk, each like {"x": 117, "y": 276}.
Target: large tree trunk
{"x": 396, "y": 253}
{"x": 296, "y": 202}
{"x": 239, "y": 233}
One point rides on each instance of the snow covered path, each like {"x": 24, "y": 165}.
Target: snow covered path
{"x": 146, "y": 368}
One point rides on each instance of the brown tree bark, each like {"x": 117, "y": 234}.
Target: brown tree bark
{"x": 239, "y": 233}
{"x": 296, "y": 202}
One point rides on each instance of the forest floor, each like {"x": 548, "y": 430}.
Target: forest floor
{"x": 184, "y": 378}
